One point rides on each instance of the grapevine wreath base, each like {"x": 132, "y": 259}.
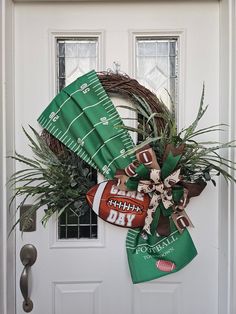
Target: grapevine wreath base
{"x": 147, "y": 185}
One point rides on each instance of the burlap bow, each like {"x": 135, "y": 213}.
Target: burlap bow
{"x": 161, "y": 192}
{"x": 164, "y": 186}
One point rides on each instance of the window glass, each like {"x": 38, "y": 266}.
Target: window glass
{"x": 75, "y": 57}
{"x": 156, "y": 67}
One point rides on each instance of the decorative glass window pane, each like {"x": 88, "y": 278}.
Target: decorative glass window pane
{"x": 75, "y": 57}
{"x": 71, "y": 226}
{"x": 157, "y": 67}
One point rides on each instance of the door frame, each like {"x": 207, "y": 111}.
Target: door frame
{"x": 227, "y": 219}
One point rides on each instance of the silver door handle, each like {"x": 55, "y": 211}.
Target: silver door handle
{"x": 28, "y": 256}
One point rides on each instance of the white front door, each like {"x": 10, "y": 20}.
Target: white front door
{"x": 91, "y": 275}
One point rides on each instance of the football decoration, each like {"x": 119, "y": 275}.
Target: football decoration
{"x": 121, "y": 208}
{"x": 147, "y": 184}
{"x": 166, "y": 266}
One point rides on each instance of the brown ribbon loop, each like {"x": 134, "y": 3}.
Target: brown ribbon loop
{"x": 181, "y": 220}
{"x": 147, "y": 157}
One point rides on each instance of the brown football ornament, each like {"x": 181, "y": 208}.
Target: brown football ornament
{"x": 121, "y": 208}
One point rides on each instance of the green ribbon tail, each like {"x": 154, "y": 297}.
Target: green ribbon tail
{"x": 169, "y": 165}
{"x": 143, "y": 255}
{"x": 156, "y": 216}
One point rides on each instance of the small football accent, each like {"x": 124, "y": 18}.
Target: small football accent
{"x": 166, "y": 266}
{"x": 182, "y": 222}
{"x": 121, "y": 208}
{"x": 145, "y": 157}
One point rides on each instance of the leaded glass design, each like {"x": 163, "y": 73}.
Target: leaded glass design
{"x": 72, "y": 226}
{"x": 157, "y": 67}
{"x": 75, "y": 57}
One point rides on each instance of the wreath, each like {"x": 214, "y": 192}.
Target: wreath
{"x": 147, "y": 185}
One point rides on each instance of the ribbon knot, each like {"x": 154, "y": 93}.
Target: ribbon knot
{"x": 162, "y": 189}
{"x": 161, "y": 193}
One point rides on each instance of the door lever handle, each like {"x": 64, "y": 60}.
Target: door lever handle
{"x": 28, "y": 256}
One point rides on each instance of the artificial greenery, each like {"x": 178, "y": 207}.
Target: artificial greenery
{"x": 200, "y": 160}
{"x": 57, "y": 181}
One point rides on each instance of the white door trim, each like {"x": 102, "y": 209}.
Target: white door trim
{"x": 227, "y": 257}
{"x": 227, "y": 262}
{"x": 7, "y": 244}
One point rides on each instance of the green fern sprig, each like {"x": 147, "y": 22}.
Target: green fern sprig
{"x": 58, "y": 183}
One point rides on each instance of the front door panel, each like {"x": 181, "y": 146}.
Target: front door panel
{"x": 88, "y": 276}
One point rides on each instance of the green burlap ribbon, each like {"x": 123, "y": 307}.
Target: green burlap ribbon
{"x": 143, "y": 172}
{"x": 144, "y": 255}
{"x": 83, "y": 117}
